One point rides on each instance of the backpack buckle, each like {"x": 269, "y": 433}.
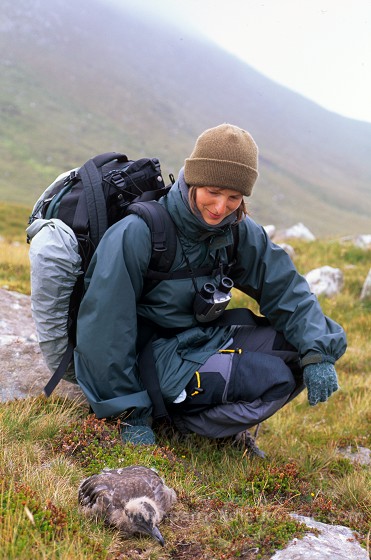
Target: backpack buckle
{"x": 72, "y": 177}
{"x": 159, "y": 241}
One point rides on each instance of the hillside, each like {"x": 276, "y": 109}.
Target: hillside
{"x": 81, "y": 78}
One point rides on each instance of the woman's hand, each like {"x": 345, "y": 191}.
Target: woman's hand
{"x": 321, "y": 381}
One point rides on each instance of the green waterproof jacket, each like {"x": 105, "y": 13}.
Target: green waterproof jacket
{"x": 107, "y": 327}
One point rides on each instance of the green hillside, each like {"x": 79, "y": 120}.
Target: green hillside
{"x": 81, "y": 78}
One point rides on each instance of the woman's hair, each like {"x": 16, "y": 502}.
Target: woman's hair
{"x": 241, "y": 211}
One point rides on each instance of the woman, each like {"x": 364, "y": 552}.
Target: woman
{"x": 216, "y": 378}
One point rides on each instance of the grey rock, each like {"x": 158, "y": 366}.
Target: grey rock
{"x": 362, "y": 455}
{"x": 23, "y": 371}
{"x": 298, "y": 231}
{"x": 289, "y": 249}
{"x": 326, "y": 280}
{"x": 366, "y": 289}
{"x": 270, "y": 230}
{"x": 363, "y": 241}
{"x": 334, "y": 542}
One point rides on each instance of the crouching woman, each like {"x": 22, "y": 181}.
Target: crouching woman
{"x": 217, "y": 372}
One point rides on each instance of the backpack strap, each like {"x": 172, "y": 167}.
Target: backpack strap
{"x": 102, "y": 159}
{"x": 60, "y": 371}
{"x": 163, "y": 233}
{"x": 92, "y": 206}
{"x": 150, "y": 332}
{"x": 232, "y": 249}
{"x": 240, "y": 316}
{"x": 95, "y": 202}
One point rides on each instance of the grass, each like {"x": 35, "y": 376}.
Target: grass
{"x": 229, "y": 505}
{"x": 15, "y": 271}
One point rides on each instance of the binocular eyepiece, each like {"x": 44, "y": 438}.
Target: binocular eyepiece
{"x": 207, "y": 290}
{"x": 226, "y": 284}
{"x": 211, "y": 301}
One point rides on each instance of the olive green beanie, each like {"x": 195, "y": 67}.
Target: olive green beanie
{"x": 223, "y": 156}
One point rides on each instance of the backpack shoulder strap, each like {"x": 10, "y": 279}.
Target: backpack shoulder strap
{"x": 163, "y": 233}
{"x": 93, "y": 204}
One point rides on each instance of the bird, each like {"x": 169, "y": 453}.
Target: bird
{"x": 132, "y": 499}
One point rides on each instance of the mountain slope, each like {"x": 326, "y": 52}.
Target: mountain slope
{"x": 82, "y": 78}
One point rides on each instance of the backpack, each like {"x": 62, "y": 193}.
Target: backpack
{"x": 66, "y": 226}
{"x": 93, "y": 197}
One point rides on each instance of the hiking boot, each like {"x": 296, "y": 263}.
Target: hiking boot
{"x": 249, "y": 443}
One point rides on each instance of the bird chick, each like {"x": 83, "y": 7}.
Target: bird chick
{"x": 132, "y": 499}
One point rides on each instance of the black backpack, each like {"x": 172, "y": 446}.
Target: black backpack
{"x": 100, "y": 193}
{"x": 91, "y": 199}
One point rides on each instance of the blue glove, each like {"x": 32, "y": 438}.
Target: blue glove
{"x": 137, "y": 432}
{"x": 321, "y": 381}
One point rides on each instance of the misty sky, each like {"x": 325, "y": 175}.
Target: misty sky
{"x": 319, "y": 48}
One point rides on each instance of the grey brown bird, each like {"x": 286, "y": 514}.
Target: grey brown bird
{"x": 133, "y": 499}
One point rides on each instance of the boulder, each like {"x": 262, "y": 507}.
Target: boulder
{"x": 23, "y": 372}
{"x": 288, "y": 248}
{"x": 270, "y": 230}
{"x": 298, "y": 231}
{"x": 366, "y": 289}
{"x": 325, "y": 281}
{"x": 363, "y": 241}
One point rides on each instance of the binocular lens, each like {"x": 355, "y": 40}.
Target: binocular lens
{"x": 226, "y": 284}
{"x": 208, "y": 289}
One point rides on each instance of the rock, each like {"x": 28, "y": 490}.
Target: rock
{"x": 363, "y": 241}
{"x": 366, "y": 289}
{"x": 362, "y": 455}
{"x": 325, "y": 281}
{"x": 23, "y": 371}
{"x": 289, "y": 249}
{"x": 298, "y": 231}
{"x": 270, "y": 230}
{"x": 334, "y": 542}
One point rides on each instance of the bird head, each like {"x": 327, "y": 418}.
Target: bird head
{"x": 143, "y": 516}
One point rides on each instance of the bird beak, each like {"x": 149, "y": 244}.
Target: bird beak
{"x": 157, "y": 535}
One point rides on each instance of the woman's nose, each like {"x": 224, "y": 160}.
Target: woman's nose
{"x": 220, "y": 206}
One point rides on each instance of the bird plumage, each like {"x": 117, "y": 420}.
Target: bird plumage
{"x": 133, "y": 499}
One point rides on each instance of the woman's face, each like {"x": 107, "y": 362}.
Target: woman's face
{"x": 216, "y": 203}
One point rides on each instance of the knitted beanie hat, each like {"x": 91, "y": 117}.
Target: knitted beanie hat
{"x": 224, "y": 156}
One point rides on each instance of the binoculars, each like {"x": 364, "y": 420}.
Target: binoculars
{"x": 211, "y": 301}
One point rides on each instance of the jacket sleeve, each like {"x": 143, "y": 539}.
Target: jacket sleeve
{"x": 105, "y": 354}
{"x": 265, "y": 272}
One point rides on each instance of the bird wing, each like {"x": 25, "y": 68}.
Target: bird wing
{"x": 96, "y": 494}
{"x": 147, "y": 482}
{"x": 113, "y": 488}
